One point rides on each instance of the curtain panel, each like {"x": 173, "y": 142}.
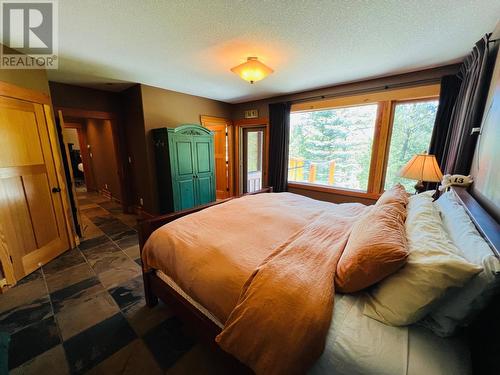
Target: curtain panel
{"x": 475, "y": 74}
{"x": 279, "y": 133}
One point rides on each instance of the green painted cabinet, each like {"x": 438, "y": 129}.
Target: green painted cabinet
{"x": 185, "y": 167}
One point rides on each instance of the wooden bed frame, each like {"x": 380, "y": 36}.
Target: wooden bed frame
{"x": 482, "y": 334}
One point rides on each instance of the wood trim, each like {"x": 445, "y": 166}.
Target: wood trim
{"x": 417, "y": 92}
{"x": 332, "y": 190}
{"x": 13, "y": 91}
{"x": 239, "y": 125}
{"x": 86, "y": 114}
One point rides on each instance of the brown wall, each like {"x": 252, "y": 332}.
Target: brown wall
{"x": 103, "y": 161}
{"x": 346, "y": 89}
{"x": 69, "y": 96}
{"x": 160, "y": 108}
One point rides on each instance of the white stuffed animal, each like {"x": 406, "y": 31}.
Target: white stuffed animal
{"x": 455, "y": 180}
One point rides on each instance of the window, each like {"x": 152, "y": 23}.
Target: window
{"x": 411, "y": 134}
{"x": 332, "y": 147}
{"x": 356, "y": 145}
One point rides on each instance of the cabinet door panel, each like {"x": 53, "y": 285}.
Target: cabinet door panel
{"x": 187, "y": 196}
{"x": 184, "y": 152}
{"x": 204, "y": 155}
{"x": 205, "y": 189}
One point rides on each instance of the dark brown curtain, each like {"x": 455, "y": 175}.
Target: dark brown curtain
{"x": 450, "y": 87}
{"x": 475, "y": 75}
{"x": 279, "y": 133}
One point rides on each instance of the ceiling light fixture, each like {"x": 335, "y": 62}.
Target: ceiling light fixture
{"x": 252, "y": 70}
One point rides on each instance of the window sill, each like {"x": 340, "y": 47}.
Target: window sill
{"x": 332, "y": 190}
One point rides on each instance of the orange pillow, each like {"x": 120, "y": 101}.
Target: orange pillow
{"x": 396, "y": 194}
{"x": 376, "y": 248}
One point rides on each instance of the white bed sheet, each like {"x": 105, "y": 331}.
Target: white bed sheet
{"x": 359, "y": 345}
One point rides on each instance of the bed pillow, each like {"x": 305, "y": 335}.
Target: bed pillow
{"x": 376, "y": 248}
{"x": 433, "y": 267}
{"x": 396, "y": 194}
{"x": 459, "y": 307}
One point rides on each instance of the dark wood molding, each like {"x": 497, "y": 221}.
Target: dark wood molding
{"x": 86, "y": 114}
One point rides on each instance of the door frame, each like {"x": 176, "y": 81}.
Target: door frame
{"x": 79, "y": 115}
{"x": 12, "y": 91}
{"x": 205, "y": 121}
{"x": 239, "y": 125}
{"x": 82, "y": 139}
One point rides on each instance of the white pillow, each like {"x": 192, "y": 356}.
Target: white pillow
{"x": 433, "y": 268}
{"x": 460, "y": 306}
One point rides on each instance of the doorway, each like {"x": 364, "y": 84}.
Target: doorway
{"x": 223, "y": 154}
{"x": 253, "y": 159}
{"x": 73, "y": 139}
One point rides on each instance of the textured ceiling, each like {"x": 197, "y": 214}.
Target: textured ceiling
{"x": 189, "y": 46}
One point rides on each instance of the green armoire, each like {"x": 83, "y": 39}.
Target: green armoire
{"x": 185, "y": 167}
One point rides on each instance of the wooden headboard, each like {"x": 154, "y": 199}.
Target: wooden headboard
{"x": 483, "y": 333}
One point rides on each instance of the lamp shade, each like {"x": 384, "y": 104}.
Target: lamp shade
{"x": 252, "y": 70}
{"x": 422, "y": 167}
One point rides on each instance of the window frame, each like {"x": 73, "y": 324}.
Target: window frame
{"x": 386, "y": 101}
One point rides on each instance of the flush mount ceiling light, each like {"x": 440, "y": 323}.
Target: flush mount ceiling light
{"x": 252, "y": 70}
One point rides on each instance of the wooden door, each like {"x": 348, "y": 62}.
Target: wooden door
{"x": 33, "y": 229}
{"x": 183, "y": 185}
{"x": 220, "y": 127}
{"x": 204, "y": 176}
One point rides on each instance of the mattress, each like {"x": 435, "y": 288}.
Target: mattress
{"x": 357, "y": 344}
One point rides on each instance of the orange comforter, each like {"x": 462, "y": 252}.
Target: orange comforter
{"x": 265, "y": 267}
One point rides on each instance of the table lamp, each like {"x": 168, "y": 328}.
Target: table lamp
{"x": 422, "y": 167}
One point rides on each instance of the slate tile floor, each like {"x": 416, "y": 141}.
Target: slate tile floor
{"x": 84, "y": 312}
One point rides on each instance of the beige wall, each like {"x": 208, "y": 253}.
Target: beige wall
{"x": 71, "y": 136}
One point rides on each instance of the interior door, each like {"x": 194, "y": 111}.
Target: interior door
{"x": 204, "y": 177}
{"x": 221, "y": 128}
{"x": 184, "y": 185}
{"x": 33, "y": 229}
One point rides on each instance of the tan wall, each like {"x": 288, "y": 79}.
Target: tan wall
{"x": 103, "y": 161}
{"x": 71, "y": 136}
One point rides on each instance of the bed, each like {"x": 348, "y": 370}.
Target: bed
{"x": 355, "y": 344}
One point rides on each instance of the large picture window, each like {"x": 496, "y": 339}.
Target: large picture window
{"x": 332, "y": 147}
{"x": 357, "y": 145}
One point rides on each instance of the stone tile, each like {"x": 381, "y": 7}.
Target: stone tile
{"x": 22, "y": 294}
{"x": 104, "y": 219}
{"x": 98, "y": 253}
{"x": 93, "y": 242}
{"x": 133, "y": 252}
{"x": 114, "y": 229}
{"x": 129, "y": 219}
{"x": 89, "y": 229}
{"x": 168, "y": 342}
{"x": 32, "y": 341}
{"x": 35, "y": 275}
{"x": 126, "y": 239}
{"x": 84, "y": 201}
{"x": 77, "y": 318}
{"x": 138, "y": 261}
{"x": 121, "y": 270}
{"x": 129, "y": 294}
{"x": 63, "y": 279}
{"x": 95, "y": 211}
{"x": 134, "y": 358}
{"x": 111, "y": 206}
{"x": 92, "y": 346}
{"x": 75, "y": 294}
{"x": 86, "y": 206}
{"x": 143, "y": 318}
{"x": 202, "y": 359}
{"x": 53, "y": 362}
{"x": 65, "y": 261}
{"x": 19, "y": 317}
